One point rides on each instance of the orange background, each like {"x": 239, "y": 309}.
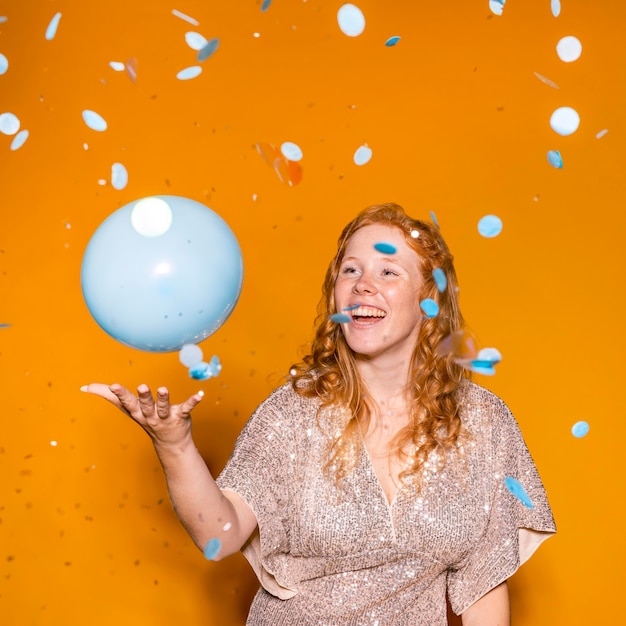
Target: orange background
{"x": 458, "y": 123}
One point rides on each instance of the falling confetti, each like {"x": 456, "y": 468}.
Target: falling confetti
{"x": 362, "y": 155}
{"x": 189, "y": 72}
{"x": 208, "y": 49}
{"x": 118, "y": 66}
{"x": 190, "y": 354}
{"x": 212, "y": 548}
{"x": 554, "y": 158}
{"x": 186, "y": 18}
{"x": 119, "y": 176}
{"x": 564, "y": 121}
{"x": 340, "y": 318}
{"x": 518, "y": 491}
{"x": 490, "y": 226}
{"x": 19, "y": 140}
{"x": 569, "y": 49}
{"x": 291, "y": 151}
{"x": 440, "y": 279}
{"x": 4, "y": 64}
{"x": 430, "y": 307}
{"x": 392, "y": 41}
{"x": 351, "y": 20}
{"x": 9, "y": 124}
{"x": 555, "y": 7}
{"x": 601, "y": 133}
{"x": 351, "y": 308}
{"x": 461, "y": 344}
{"x": 385, "y": 248}
{"x": 288, "y": 171}
{"x": 131, "y": 69}
{"x": 5, "y": 325}
{"x": 51, "y": 31}
{"x": 195, "y": 41}
{"x": 496, "y": 6}
{"x": 94, "y": 121}
{"x": 580, "y": 429}
{"x": 547, "y": 81}
{"x": 266, "y": 5}
{"x": 433, "y": 217}
{"x": 204, "y": 371}
{"x": 491, "y": 355}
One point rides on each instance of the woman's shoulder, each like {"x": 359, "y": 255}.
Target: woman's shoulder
{"x": 480, "y": 405}
{"x": 285, "y": 400}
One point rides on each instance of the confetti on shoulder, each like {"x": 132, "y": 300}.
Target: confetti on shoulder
{"x": 515, "y": 487}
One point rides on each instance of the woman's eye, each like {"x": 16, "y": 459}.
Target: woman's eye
{"x": 388, "y": 272}
{"x": 348, "y": 270}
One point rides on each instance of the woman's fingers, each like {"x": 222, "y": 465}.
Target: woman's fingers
{"x": 188, "y": 405}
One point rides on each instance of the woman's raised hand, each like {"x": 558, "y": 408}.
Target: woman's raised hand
{"x": 167, "y": 424}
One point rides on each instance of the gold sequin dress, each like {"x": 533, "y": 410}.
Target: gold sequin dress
{"x": 358, "y": 560}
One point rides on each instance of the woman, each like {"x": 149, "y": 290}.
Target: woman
{"x": 373, "y": 483}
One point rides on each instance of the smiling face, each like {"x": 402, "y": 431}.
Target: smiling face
{"x": 386, "y": 287}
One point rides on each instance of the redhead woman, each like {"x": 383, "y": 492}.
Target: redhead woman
{"x": 372, "y": 486}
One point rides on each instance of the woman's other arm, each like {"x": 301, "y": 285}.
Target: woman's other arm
{"x": 493, "y": 609}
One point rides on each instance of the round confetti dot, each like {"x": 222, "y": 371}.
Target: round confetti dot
{"x": 340, "y": 318}
{"x": 415, "y": 234}
{"x": 440, "y": 279}
{"x": 351, "y": 20}
{"x": 212, "y": 548}
{"x": 19, "y": 140}
{"x": 515, "y": 487}
{"x": 569, "y": 49}
{"x": 385, "y": 248}
{"x": 4, "y": 64}
{"x": 291, "y": 151}
{"x": 51, "y": 31}
{"x": 564, "y": 121}
{"x": 496, "y": 6}
{"x": 430, "y": 307}
{"x": 189, "y": 72}
{"x": 392, "y": 41}
{"x": 119, "y": 176}
{"x": 208, "y": 50}
{"x": 94, "y": 121}
{"x": 151, "y": 217}
{"x": 195, "y": 41}
{"x": 490, "y": 226}
{"x": 362, "y": 155}
{"x": 9, "y": 124}
{"x": 554, "y": 158}
{"x": 580, "y": 429}
{"x": 190, "y": 354}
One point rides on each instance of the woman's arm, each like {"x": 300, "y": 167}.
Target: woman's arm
{"x": 204, "y": 510}
{"x": 493, "y": 609}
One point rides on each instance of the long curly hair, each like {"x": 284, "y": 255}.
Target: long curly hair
{"x": 329, "y": 370}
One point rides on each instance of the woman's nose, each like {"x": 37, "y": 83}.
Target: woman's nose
{"x": 364, "y": 285}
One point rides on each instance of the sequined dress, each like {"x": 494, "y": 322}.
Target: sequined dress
{"x": 358, "y": 560}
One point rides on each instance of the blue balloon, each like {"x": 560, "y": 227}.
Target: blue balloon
{"x": 162, "y": 272}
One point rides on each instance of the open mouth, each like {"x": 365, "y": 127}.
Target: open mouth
{"x": 367, "y": 314}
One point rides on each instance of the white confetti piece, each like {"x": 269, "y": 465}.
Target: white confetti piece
{"x": 189, "y": 72}
{"x": 119, "y": 176}
{"x": 186, "y": 18}
{"x": 19, "y": 140}
{"x": 9, "y": 124}
{"x": 51, "y": 31}
{"x": 94, "y": 120}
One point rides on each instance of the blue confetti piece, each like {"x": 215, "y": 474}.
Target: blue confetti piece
{"x": 94, "y": 121}
{"x": 119, "y": 176}
{"x": 51, "y": 31}
{"x": 352, "y": 307}
{"x": 266, "y": 5}
{"x": 490, "y": 226}
{"x": 430, "y": 307}
{"x": 5, "y": 325}
{"x": 392, "y": 41}
{"x": 554, "y": 158}
{"x": 207, "y": 50}
{"x": 212, "y": 548}
{"x": 4, "y": 64}
{"x": 518, "y": 491}
{"x": 580, "y": 429}
{"x": 189, "y": 72}
{"x": 340, "y": 318}
{"x": 440, "y": 279}
{"x": 433, "y": 217}
{"x": 204, "y": 370}
{"x": 481, "y": 366}
{"x": 385, "y": 248}
{"x": 362, "y": 155}
{"x": 19, "y": 140}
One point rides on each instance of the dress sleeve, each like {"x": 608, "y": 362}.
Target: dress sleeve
{"x": 519, "y": 519}
{"x": 260, "y": 470}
